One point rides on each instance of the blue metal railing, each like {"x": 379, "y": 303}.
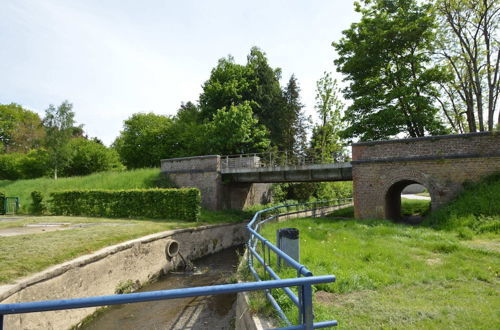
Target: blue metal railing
{"x": 53, "y": 305}
{"x": 304, "y": 299}
{"x": 304, "y": 284}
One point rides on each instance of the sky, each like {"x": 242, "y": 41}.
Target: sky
{"x": 113, "y": 58}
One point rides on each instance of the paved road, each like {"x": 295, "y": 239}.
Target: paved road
{"x": 411, "y": 196}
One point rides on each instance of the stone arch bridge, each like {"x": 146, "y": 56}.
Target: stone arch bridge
{"x": 380, "y": 170}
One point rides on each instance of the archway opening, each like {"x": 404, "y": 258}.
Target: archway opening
{"x": 407, "y": 201}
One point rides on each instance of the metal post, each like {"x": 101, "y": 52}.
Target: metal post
{"x": 307, "y": 309}
{"x": 1, "y": 321}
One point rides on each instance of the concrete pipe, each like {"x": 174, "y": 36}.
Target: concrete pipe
{"x": 171, "y": 249}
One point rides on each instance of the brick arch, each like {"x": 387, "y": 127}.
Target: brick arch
{"x": 440, "y": 163}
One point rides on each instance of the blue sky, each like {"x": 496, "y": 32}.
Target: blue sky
{"x": 113, "y": 58}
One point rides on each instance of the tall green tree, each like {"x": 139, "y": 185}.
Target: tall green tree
{"x": 145, "y": 139}
{"x": 326, "y": 142}
{"x": 294, "y": 122}
{"x": 469, "y": 46}
{"x": 20, "y": 129}
{"x": 256, "y": 84}
{"x": 59, "y": 127}
{"x": 236, "y": 131}
{"x": 386, "y": 61}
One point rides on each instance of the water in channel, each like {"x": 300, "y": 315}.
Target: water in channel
{"x": 212, "y": 312}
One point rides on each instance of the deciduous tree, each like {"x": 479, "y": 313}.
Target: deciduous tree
{"x": 386, "y": 61}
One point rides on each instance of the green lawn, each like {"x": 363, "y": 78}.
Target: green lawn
{"x": 398, "y": 276}
{"x": 29, "y": 253}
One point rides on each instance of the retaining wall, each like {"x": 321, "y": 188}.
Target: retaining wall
{"x": 142, "y": 260}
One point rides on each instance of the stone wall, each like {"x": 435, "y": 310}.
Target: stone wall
{"x": 98, "y": 274}
{"x": 381, "y": 170}
{"x": 204, "y": 173}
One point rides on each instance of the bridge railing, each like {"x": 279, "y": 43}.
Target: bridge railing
{"x": 262, "y": 254}
{"x": 276, "y": 159}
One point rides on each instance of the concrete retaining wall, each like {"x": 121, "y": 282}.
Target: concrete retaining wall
{"x": 97, "y": 274}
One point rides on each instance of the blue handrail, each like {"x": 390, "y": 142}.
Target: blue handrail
{"x": 302, "y": 302}
{"x": 52, "y": 305}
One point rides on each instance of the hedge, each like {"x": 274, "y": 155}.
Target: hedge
{"x": 182, "y": 204}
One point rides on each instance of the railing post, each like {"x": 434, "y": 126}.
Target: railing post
{"x": 306, "y": 306}
{"x": 1, "y": 321}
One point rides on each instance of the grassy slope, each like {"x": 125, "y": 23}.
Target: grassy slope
{"x": 143, "y": 178}
{"x": 392, "y": 275}
{"x": 477, "y": 208}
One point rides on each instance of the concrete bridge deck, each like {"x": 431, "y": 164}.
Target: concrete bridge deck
{"x": 293, "y": 173}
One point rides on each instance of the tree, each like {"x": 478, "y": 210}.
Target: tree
{"x": 59, "y": 127}
{"x": 235, "y": 131}
{"x": 145, "y": 140}
{"x": 255, "y": 83}
{"x": 386, "y": 61}
{"x": 469, "y": 46}
{"x": 293, "y": 121}
{"x": 88, "y": 156}
{"x": 326, "y": 142}
{"x": 20, "y": 129}
{"x": 188, "y": 132}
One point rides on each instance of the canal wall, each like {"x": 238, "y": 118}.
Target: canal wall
{"x": 140, "y": 260}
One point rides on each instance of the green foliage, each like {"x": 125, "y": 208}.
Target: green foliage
{"x": 37, "y": 205}
{"x": 306, "y": 191}
{"x": 9, "y": 169}
{"x": 476, "y": 208}
{"x": 257, "y": 85}
{"x": 88, "y": 156}
{"x": 135, "y": 179}
{"x": 59, "y": 128}
{"x": 235, "y": 130}
{"x": 326, "y": 142}
{"x": 386, "y": 60}
{"x": 183, "y": 204}
{"x": 144, "y": 141}
{"x": 20, "y": 129}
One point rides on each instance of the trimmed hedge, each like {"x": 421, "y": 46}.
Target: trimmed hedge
{"x": 182, "y": 204}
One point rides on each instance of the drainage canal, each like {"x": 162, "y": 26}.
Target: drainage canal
{"x": 213, "y": 312}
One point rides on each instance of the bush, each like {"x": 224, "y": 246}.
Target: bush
{"x": 37, "y": 206}
{"x": 183, "y": 204}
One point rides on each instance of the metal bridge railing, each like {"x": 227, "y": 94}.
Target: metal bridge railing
{"x": 276, "y": 159}
{"x": 303, "y": 300}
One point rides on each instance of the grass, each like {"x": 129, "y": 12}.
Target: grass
{"x": 477, "y": 209}
{"x": 393, "y": 275}
{"x": 23, "y": 255}
{"x": 142, "y": 178}
{"x": 408, "y": 207}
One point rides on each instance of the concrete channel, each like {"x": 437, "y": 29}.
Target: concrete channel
{"x": 146, "y": 263}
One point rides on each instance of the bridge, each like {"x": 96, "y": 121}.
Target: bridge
{"x": 380, "y": 170}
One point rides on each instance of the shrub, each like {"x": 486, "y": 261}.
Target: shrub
{"x": 183, "y": 204}
{"x": 37, "y": 206}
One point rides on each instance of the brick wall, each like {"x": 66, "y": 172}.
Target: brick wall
{"x": 441, "y": 164}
